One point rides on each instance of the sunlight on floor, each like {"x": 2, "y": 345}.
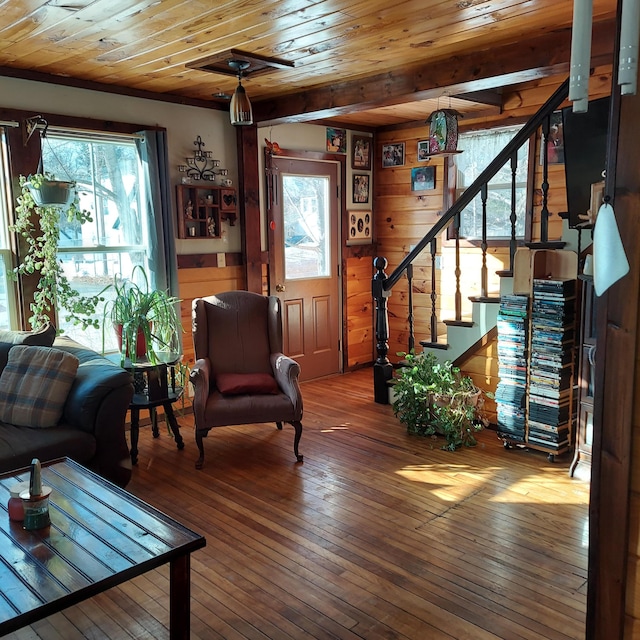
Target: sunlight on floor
{"x": 549, "y": 486}
{"x": 452, "y": 482}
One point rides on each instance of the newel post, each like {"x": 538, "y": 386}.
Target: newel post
{"x": 382, "y": 368}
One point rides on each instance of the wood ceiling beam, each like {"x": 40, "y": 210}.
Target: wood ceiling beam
{"x": 492, "y": 97}
{"x": 543, "y": 56}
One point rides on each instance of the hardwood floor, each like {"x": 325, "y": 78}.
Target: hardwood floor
{"x": 377, "y": 535}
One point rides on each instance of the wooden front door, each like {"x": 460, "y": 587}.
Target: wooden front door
{"x": 305, "y": 262}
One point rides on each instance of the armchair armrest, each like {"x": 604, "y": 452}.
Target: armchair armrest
{"x": 286, "y": 372}
{"x": 200, "y": 377}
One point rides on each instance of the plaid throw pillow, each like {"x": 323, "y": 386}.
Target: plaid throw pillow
{"x": 34, "y": 385}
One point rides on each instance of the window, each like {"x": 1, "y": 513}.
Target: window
{"x": 480, "y": 148}
{"x": 107, "y": 170}
{"x": 8, "y": 315}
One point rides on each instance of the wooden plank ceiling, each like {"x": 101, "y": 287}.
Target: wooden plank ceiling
{"x": 359, "y": 62}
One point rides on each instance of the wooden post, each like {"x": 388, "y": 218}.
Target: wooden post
{"x": 249, "y": 205}
{"x": 382, "y": 368}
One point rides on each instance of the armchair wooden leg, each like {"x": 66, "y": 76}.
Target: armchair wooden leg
{"x": 297, "y": 425}
{"x": 200, "y": 460}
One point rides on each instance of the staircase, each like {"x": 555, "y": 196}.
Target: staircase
{"x": 462, "y": 333}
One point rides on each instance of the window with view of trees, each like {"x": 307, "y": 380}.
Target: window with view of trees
{"x": 7, "y": 284}
{"x": 479, "y": 149}
{"x": 107, "y": 171}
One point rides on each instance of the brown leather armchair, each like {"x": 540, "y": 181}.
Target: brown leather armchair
{"x": 241, "y": 375}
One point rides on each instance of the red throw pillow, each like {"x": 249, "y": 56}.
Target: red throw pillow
{"x": 234, "y": 384}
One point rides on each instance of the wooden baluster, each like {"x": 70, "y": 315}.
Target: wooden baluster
{"x": 513, "y": 243}
{"x": 434, "y": 295}
{"x": 458, "y": 272}
{"x": 411, "y": 342}
{"x": 484, "y": 280}
{"x": 382, "y": 368}
{"x": 544, "y": 212}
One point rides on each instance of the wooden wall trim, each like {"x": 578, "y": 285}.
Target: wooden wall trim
{"x": 617, "y": 326}
{"x": 249, "y": 205}
{"x": 198, "y": 260}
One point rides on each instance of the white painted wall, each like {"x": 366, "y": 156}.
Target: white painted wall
{"x": 183, "y": 123}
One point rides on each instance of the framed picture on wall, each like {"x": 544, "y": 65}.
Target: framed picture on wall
{"x": 423, "y": 150}
{"x": 423, "y": 178}
{"x": 360, "y": 188}
{"x": 393, "y": 154}
{"x": 360, "y": 227}
{"x": 361, "y": 152}
{"x": 336, "y": 140}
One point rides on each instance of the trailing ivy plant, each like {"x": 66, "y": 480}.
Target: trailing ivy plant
{"x": 53, "y": 291}
{"x": 433, "y": 397}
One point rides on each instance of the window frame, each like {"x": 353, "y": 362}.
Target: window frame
{"x": 24, "y": 155}
{"x": 449, "y": 192}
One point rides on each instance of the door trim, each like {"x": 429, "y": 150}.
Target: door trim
{"x": 341, "y": 160}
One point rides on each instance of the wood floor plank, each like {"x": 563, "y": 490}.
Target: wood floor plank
{"x": 376, "y": 535}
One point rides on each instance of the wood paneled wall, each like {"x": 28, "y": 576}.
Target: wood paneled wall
{"x": 402, "y": 216}
{"x": 358, "y": 311}
{"x": 204, "y": 281}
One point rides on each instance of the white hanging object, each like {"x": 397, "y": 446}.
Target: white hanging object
{"x": 629, "y": 36}
{"x": 580, "y": 55}
{"x": 609, "y": 259}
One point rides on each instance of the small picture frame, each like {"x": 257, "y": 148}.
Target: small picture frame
{"x": 360, "y": 230}
{"x": 361, "y": 151}
{"x": 336, "y": 140}
{"x": 423, "y": 151}
{"x": 423, "y": 178}
{"x": 393, "y": 155}
{"x": 360, "y": 188}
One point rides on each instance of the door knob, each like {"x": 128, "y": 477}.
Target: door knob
{"x": 280, "y": 288}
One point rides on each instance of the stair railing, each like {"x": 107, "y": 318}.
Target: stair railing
{"x": 382, "y": 284}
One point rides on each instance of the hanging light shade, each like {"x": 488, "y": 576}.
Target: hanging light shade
{"x": 443, "y": 131}
{"x": 580, "y": 55}
{"x": 240, "y": 110}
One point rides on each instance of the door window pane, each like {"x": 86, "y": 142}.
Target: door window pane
{"x": 305, "y": 208}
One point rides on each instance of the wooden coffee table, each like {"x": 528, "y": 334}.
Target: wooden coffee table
{"x": 100, "y": 536}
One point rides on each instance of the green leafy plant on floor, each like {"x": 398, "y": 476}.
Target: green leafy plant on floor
{"x": 431, "y": 398}
{"x": 40, "y": 226}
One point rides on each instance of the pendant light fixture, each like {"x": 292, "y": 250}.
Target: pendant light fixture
{"x": 240, "y": 110}
{"x": 443, "y": 132}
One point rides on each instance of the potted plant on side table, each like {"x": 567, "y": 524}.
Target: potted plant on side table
{"x": 145, "y": 320}
{"x": 431, "y": 398}
{"x": 147, "y": 323}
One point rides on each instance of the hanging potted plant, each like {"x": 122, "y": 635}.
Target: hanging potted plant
{"x": 47, "y": 191}
{"x": 145, "y": 320}
{"x": 39, "y": 226}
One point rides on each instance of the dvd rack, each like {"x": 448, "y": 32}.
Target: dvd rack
{"x": 511, "y": 392}
{"x": 550, "y": 402}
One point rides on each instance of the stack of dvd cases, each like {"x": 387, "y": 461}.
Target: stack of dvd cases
{"x": 550, "y": 408}
{"x": 513, "y": 323}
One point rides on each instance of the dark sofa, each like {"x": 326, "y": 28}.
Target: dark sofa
{"x": 92, "y": 429}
